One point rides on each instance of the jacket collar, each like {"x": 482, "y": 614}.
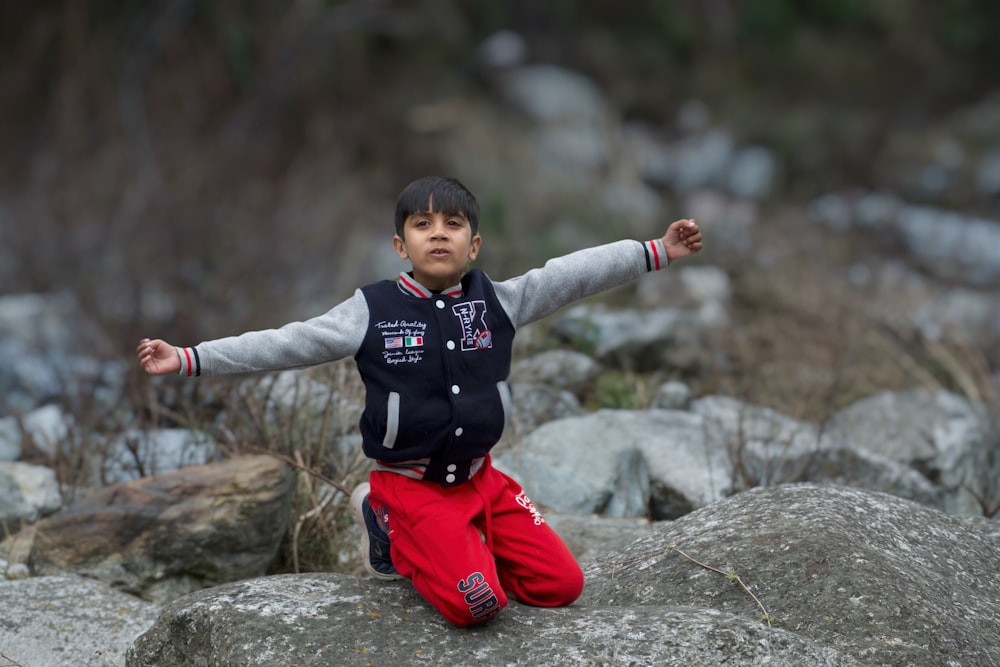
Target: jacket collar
{"x": 408, "y": 285}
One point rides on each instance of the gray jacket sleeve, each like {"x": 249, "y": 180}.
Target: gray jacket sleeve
{"x": 563, "y": 280}
{"x": 334, "y": 335}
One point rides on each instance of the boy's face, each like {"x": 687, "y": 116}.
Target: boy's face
{"x": 438, "y": 246}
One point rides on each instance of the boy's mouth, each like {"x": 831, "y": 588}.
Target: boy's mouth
{"x": 439, "y": 252}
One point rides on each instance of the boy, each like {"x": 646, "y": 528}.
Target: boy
{"x": 434, "y": 349}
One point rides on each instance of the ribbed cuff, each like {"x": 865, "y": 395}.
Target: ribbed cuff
{"x": 190, "y": 361}
{"x": 656, "y": 255}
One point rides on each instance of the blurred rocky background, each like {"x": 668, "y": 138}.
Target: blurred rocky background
{"x": 188, "y": 170}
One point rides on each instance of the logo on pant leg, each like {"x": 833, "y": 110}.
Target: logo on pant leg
{"x": 479, "y": 597}
{"x": 525, "y": 502}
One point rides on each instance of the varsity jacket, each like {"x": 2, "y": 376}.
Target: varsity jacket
{"x": 434, "y": 365}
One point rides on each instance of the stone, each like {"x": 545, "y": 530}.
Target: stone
{"x": 69, "y": 620}
{"x": 875, "y": 577}
{"x": 938, "y": 433}
{"x": 653, "y": 463}
{"x": 792, "y": 575}
{"x": 563, "y": 369}
{"x": 27, "y": 492}
{"x": 48, "y": 427}
{"x": 648, "y": 339}
{"x": 138, "y": 453}
{"x": 164, "y": 536}
{"x": 332, "y": 619}
{"x": 536, "y": 404}
{"x": 673, "y": 395}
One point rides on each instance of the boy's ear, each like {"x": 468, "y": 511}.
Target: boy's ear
{"x": 400, "y": 245}
{"x": 477, "y": 241}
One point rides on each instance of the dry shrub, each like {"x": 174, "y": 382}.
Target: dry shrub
{"x": 305, "y": 418}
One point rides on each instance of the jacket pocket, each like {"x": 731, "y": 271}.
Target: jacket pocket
{"x": 391, "y": 420}
{"x": 507, "y": 402}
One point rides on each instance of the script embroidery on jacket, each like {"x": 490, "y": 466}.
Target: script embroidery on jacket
{"x": 404, "y": 341}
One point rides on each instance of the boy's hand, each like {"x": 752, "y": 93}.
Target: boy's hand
{"x": 157, "y": 357}
{"x": 683, "y": 238}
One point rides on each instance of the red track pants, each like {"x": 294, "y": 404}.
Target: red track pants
{"x": 466, "y": 548}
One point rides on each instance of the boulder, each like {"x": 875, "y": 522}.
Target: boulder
{"x": 27, "y": 492}
{"x": 652, "y": 463}
{"x": 938, "y": 433}
{"x": 69, "y": 620}
{"x": 164, "y": 536}
{"x": 47, "y": 427}
{"x": 568, "y": 370}
{"x": 648, "y": 339}
{"x": 589, "y": 536}
{"x": 673, "y": 395}
{"x": 137, "y": 453}
{"x": 876, "y": 577}
{"x": 333, "y": 619}
{"x": 792, "y": 575}
{"x": 536, "y": 404}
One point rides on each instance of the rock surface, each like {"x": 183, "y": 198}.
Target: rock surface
{"x": 331, "y": 619}
{"x": 68, "y": 620}
{"x": 885, "y": 580}
{"x": 850, "y": 578}
{"x": 934, "y": 448}
{"x": 164, "y": 536}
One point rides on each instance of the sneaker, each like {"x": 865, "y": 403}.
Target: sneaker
{"x": 374, "y": 540}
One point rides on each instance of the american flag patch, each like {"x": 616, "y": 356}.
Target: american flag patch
{"x": 393, "y": 342}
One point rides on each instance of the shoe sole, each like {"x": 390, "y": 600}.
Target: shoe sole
{"x": 357, "y": 498}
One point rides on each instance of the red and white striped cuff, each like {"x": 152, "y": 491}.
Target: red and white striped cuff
{"x": 190, "y": 361}
{"x": 656, "y": 255}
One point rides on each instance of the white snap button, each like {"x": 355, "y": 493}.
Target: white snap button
{"x": 439, "y": 304}
{"x": 449, "y": 478}
{"x": 450, "y": 344}
{"x": 459, "y": 431}
{"x": 452, "y": 467}
{"x": 455, "y": 389}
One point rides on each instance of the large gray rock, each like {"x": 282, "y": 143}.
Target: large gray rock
{"x": 331, "y": 619}
{"x": 938, "y": 433}
{"x": 68, "y": 620}
{"x": 767, "y": 447}
{"x": 589, "y": 536}
{"x": 648, "y": 339}
{"x": 876, "y": 577}
{"x": 47, "y": 427}
{"x": 139, "y": 453}
{"x": 27, "y": 492}
{"x": 165, "y": 536}
{"x": 536, "y": 404}
{"x": 653, "y": 463}
{"x": 661, "y": 464}
{"x": 562, "y": 369}
{"x": 846, "y": 577}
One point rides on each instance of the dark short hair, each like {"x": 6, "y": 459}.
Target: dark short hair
{"x": 449, "y": 197}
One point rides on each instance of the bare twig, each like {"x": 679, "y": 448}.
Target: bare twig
{"x": 11, "y": 662}
{"x": 298, "y": 464}
{"x": 731, "y": 576}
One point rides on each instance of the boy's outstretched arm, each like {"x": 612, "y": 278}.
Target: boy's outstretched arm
{"x": 158, "y": 357}
{"x": 683, "y": 238}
